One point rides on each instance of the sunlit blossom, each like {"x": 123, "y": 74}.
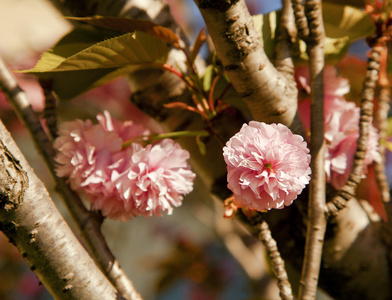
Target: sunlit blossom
{"x": 268, "y": 165}
{"x": 341, "y": 126}
{"x": 122, "y": 182}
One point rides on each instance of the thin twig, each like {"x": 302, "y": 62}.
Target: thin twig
{"x": 262, "y": 231}
{"x": 300, "y": 20}
{"x": 381, "y": 122}
{"x": 50, "y": 110}
{"x": 317, "y": 204}
{"x": 88, "y": 223}
{"x": 348, "y": 190}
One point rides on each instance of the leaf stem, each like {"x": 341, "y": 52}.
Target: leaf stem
{"x": 211, "y": 93}
{"x": 168, "y": 135}
{"x": 179, "y": 75}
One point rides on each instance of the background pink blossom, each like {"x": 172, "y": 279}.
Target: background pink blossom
{"x": 268, "y": 165}
{"x": 341, "y": 125}
{"x": 122, "y": 183}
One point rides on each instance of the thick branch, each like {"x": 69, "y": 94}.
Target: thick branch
{"x": 317, "y": 220}
{"x": 268, "y": 94}
{"x": 33, "y": 224}
{"x": 87, "y": 222}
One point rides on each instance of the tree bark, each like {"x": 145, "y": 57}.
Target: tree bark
{"x": 270, "y": 97}
{"x": 88, "y": 223}
{"x": 30, "y": 220}
{"x": 317, "y": 223}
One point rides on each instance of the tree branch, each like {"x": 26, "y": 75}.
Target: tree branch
{"x": 317, "y": 220}
{"x": 263, "y": 233}
{"x": 348, "y": 190}
{"x": 300, "y": 20}
{"x": 267, "y": 93}
{"x": 287, "y": 33}
{"x": 32, "y": 223}
{"x": 50, "y": 109}
{"x": 88, "y": 223}
{"x": 381, "y": 123}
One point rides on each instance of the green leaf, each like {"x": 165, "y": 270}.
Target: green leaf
{"x": 130, "y": 25}
{"x": 230, "y": 97}
{"x": 343, "y": 25}
{"x": 207, "y": 77}
{"x": 266, "y": 25}
{"x": 346, "y": 21}
{"x": 75, "y": 41}
{"x": 131, "y": 48}
{"x": 334, "y": 49}
{"x": 201, "y": 145}
{"x": 99, "y": 63}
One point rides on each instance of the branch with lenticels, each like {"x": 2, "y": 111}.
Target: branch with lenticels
{"x": 270, "y": 97}
{"x": 88, "y": 223}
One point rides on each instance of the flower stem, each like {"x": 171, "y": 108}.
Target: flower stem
{"x": 168, "y": 135}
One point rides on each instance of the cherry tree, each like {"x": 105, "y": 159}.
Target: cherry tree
{"x": 267, "y": 121}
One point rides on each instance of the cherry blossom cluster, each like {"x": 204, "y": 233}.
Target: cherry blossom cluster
{"x": 341, "y": 125}
{"x": 122, "y": 182}
{"x": 268, "y": 166}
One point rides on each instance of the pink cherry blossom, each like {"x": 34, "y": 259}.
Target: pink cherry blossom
{"x": 341, "y": 126}
{"x": 154, "y": 178}
{"x": 341, "y": 133}
{"x": 122, "y": 183}
{"x": 268, "y": 165}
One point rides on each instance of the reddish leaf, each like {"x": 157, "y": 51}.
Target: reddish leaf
{"x": 201, "y": 38}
